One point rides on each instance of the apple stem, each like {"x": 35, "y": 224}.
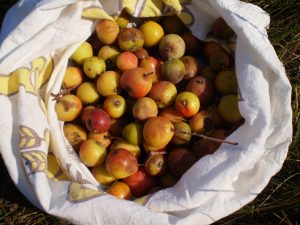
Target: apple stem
{"x": 113, "y": 137}
{"x": 62, "y": 93}
{"x": 147, "y": 74}
{"x": 206, "y": 137}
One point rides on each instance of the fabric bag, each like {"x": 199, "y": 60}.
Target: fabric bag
{"x": 38, "y": 37}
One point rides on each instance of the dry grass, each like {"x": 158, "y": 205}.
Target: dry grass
{"x": 279, "y": 203}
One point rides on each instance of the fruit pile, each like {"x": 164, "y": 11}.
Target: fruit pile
{"x": 131, "y": 97}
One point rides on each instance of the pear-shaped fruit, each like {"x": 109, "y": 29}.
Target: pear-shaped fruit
{"x": 133, "y": 133}
{"x": 226, "y": 82}
{"x": 158, "y": 131}
{"x": 228, "y": 108}
{"x": 93, "y": 66}
{"x": 173, "y": 70}
{"x": 84, "y": 51}
{"x": 171, "y": 46}
{"x": 107, "y": 31}
{"x": 88, "y": 93}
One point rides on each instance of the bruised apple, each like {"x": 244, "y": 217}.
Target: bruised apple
{"x": 130, "y": 39}
{"x": 155, "y": 164}
{"x": 98, "y": 120}
{"x": 75, "y": 134}
{"x": 68, "y": 107}
{"x": 144, "y": 108}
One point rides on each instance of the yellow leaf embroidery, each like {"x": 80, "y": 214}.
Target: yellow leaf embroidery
{"x": 36, "y": 160}
{"x": 28, "y": 138}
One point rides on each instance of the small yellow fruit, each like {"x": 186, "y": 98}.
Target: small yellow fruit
{"x": 92, "y": 153}
{"x": 153, "y": 33}
{"x": 68, "y": 107}
{"x": 108, "y": 82}
{"x": 75, "y": 134}
{"x": 87, "y": 92}
{"x": 102, "y": 176}
{"x": 93, "y": 66}
{"x": 229, "y": 109}
{"x": 115, "y": 106}
{"x": 73, "y": 77}
{"x": 84, "y": 51}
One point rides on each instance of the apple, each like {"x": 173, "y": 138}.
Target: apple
{"x": 73, "y": 77}
{"x": 126, "y": 61}
{"x": 130, "y": 39}
{"x": 102, "y": 138}
{"x": 88, "y": 93}
{"x": 115, "y": 106}
{"x": 191, "y": 65}
{"x": 133, "y": 133}
{"x": 140, "y": 182}
{"x": 107, "y": 31}
{"x": 158, "y": 132}
{"x": 153, "y": 33}
{"x": 171, "y": 46}
{"x": 108, "y": 83}
{"x": 203, "y": 88}
{"x": 84, "y": 51}
{"x": 155, "y": 164}
{"x": 181, "y": 138}
{"x": 187, "y": 103}
{"x": 141, "y": 54}
{"x": 163, "y": 93}
{"x": 144, "y": 108}
{"x": 68, "y": 107}
{"x": 121, "y": 163}
{"x": 120, "y": 190}
{"x": 75, "y": 134}
{"x": 136, "y": 82}
{"x": 180, "y": 160}
{"x": 93, "y": 66}
{"x": 102, "y": 176}
{"x": 109, "y": 54}
{"x": 98, "y": 120}
{"x": 201, "y": 123}
{"x": 91, "y": 153}
{"x": 152, "y": 67}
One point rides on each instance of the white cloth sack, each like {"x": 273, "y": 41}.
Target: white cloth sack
{"x": 37, "y": 38}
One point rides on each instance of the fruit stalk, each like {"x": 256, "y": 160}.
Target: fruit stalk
{"x": 206, "y": 137}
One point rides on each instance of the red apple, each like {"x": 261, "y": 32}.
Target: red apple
{"x": 136, "y": 82}
{"x": 187, "y": 103}
{"x": 180, "y": 160}
{"x": 98, "y": 120}
{"x": 121, "y": 163}
{"x": 140, "y": 182}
